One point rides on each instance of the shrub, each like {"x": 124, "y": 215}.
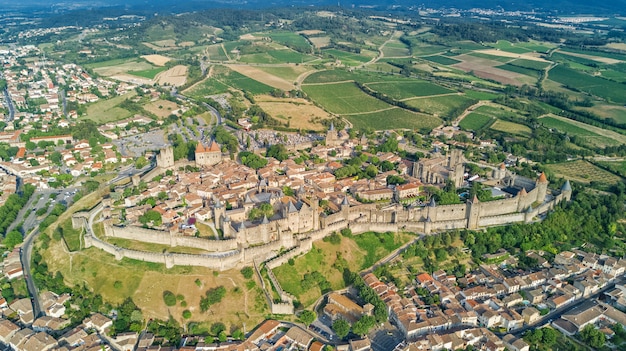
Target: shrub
{"x": 198, "y": 282}
{"x": 186, "y": 314}
{"x": 247, "y": 272}
{"x": 169, "y": 298}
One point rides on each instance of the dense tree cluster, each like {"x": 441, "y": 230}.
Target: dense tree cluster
{"x": 13, "y": 205}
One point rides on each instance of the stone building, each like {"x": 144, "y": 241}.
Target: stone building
{"x": 208, "y": 155}
{"x": 439, "y": 169}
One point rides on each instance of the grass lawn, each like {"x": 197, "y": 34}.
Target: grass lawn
{"x": 475, "y": 121}
{"x": 71, "y": 236}
{"x": 395, "y": 118}
{"x": 150, "y": 247}
{"x": 359, "y": 252}
{"x": 583, "y": 171}
{"x": 104, "y": 111}
{"x": 145, "y": 283}
{"x": 406, "y": 89}
{"x": 344, "y": 98}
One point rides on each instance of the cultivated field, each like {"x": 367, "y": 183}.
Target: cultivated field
{"x": 580, "y": 81}
{"x": 617, "y": 113}
{"x": 320, "y": 42}
{"x": 475, "y": 121}
{"x": 301, "y": 113}
{"x": 209, "y": 86}
{"x": 441, "y": 106}
{"x": 289, "y": 72}
{"x": 583, "y": 171}
{"x": 157, "y": 60}
{"x": 175, "y": 76}
{"x": 263, "y": 77}
{"x": 401, "y": 90}
{"x": 394, "y": 118}
{"x": 486, "y": 69}
{"x": 116, "y": 67}
{"x": 511, "y": 128}
{"x": 344, "y": 98}
{"x": 593, "y": 135}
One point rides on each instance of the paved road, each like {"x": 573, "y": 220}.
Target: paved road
{"x": 25, "y": 255}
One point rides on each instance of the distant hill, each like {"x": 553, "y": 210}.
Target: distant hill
{"x": 564, "y": 7}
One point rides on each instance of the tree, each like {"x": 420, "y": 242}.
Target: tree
{"x": 307, "y": 317}
{"x": 277, "y": 151}
{"x": 247, "y": 272}
{"x": 169, "y": 298}
{"x": 141, "y": 162}
{"x": 151, "y": 216}
{"x": 364, "y": 325}
{"x": 12, "y": 239}
{"x": 592, "y": 336}
{"x": 341, "y": 328}
{"x": 217, "y": 328}
{"x": 549, "y": 337}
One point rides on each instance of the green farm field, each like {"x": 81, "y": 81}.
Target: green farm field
{"x": 584, "y": 172}
{"x": 394, "y": 118}
{"x": 475, "y": 121}
{"x": 441, "y": 59}
{"x": 216, "y": 53}
{"x": 511, "y": 128}
{"x": 396, "y": 48}
{"x": 401, "y": 90}
{"x": 290, "y": 39}
{"x": 239, "y": 81}
{"x": 348, "y": 58}
{"x": 344, "y": 98}
{"x": 442, "y": 106}
{"x": 210, "y": 86}
{"x": 597, "y": 86}
{"x": 148, "y": 73}
{"x": 593, "y": 135}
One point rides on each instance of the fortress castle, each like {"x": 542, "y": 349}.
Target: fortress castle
{"x": 208, "y": 155}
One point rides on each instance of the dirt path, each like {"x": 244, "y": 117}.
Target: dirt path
{"x": 329, "y": 83}
{"x": 302, "y": 77}
{"x": 381, "y": 54}
{"x": 368, "y": 112}
{"x": 208, "y": 75}
{"x": 226, "y": 52}
{"x": 429, "y": 96}
{"x": 469, "y": 110}
{"x": 546, "y": 71}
